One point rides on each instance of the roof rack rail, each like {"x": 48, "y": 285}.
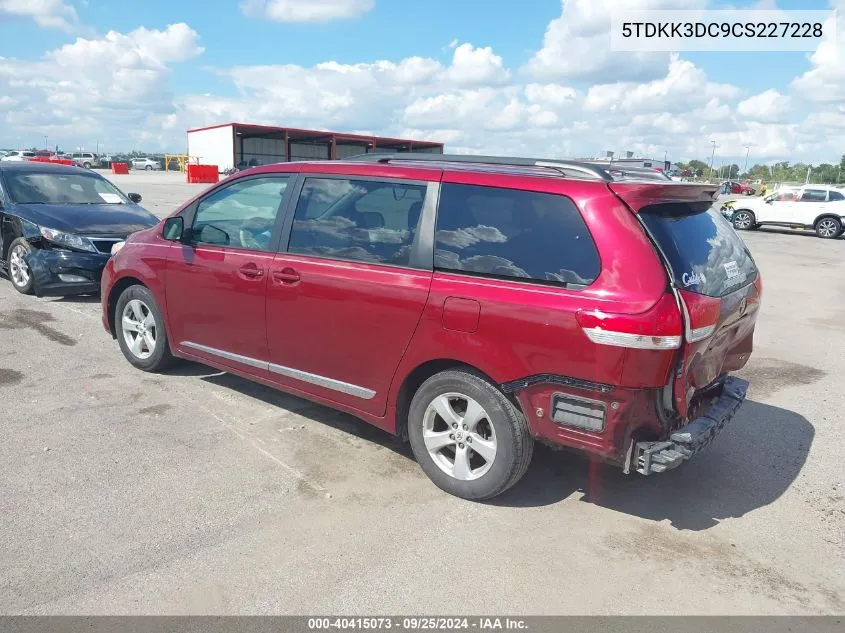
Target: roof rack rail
{"x": 563, "y": 167}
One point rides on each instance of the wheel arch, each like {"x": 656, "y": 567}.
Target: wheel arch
{"x": 417, "y": 376}
{"x": 114, "y": 294}
{"x": 827, "y": 214}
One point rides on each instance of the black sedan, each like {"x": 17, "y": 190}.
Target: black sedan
{"x": 59, "y": 224}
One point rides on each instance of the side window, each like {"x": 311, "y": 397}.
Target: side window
{"x": 835, "y": 196}
{"x": 814, "y": 195}
{"x": 241, "y": 215}
{"x": 512, "y": 233}
{"x": 361, "y": 220}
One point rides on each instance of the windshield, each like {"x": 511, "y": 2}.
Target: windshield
{"x": 57, "y": 188}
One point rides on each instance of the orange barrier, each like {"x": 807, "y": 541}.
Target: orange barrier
{"x": 203, "y": 173}
{"x": 120, "y": 168}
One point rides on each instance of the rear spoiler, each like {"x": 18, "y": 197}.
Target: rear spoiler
{"x": 638, "y": 195}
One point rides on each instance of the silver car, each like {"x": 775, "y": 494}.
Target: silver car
{"x": 148, "y": 164}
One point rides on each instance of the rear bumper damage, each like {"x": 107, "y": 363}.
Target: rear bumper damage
{"x": 58, "y": 273}
{"x": 657, "y": 457}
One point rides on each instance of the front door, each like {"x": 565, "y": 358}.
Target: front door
{"x": 344, "y": 301}
{"x": 778, "y": 208}
{"x": 216, "y": 283}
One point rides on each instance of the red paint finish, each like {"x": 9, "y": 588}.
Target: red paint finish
{"x": 217, "y": 297}
{"x": 461, "y": 314}
{"x": 346, "y": 321}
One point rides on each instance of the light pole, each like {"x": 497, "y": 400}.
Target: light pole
{"x": 45, "y": 141}
{"x": 712, "y": 156}
{"x": 747, "y": 150}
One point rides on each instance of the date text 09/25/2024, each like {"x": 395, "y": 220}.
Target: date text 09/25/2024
{"x": 417, "y": 624}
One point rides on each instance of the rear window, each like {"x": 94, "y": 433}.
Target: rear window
{"x": 704, "y": 252}
{"x": 510, "y": 233}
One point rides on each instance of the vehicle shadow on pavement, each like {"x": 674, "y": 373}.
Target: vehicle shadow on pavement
{"x": 750, "y": 464}
{"x": 313, "y": 411}
{"x": 77, "y": 299}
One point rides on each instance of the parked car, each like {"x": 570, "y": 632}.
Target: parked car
{"x": 148, "y": 164}
{"x": 738, "y": 188}
{"x": 17, "y": 156}
{"x": 814, "y": 207}
{"x": 470, "y": 305}
{"x": 83, "y": 159}
{"x": 58, "y": 225}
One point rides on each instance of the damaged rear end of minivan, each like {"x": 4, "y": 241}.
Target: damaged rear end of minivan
{"x": 716, "y": 287}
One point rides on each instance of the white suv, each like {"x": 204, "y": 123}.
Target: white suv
{"x": 817, "y": 207}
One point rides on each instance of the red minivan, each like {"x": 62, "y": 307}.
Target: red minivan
{"x": 471, "y": 305}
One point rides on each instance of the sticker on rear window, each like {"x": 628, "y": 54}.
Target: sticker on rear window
{"x": 111, "y": 198}
{"x": 694, "y": 279}
{"x": 731, "y": 269}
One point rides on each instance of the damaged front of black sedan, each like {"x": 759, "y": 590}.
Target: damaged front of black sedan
{"x": 59, "y": 226}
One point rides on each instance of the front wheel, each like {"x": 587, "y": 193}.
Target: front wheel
{"x": 469, "y": 439}
{"x": 86, "y": 165}
{"x": 828, "y": 228}
{"x": 149, "y": 167}
{"x": 19, "y": 273}
{"x": 743, "y": 220}
{"x": 140, "y": 330}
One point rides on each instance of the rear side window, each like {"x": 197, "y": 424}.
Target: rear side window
{"x": 358, "y": 220}
{"x": 835, "y": 196}
{"x": 814, "y": 195}
{"x": 514, "y": 234}
{"x": 704, "y": 252}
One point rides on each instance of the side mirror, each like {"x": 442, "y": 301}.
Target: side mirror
{"x": 134, "y": 197}
{"x": 174, "y": 228}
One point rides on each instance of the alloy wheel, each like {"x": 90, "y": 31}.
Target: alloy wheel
{"x": 742, "y": 220}
{"x": 18, "y": 268}
{"x": 459, "y": 436}
{"x": 139, "y": 329}
{"x": 827, "y": 228}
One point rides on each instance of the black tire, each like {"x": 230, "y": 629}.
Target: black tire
{"x": 514, "y": 443}
{"x": 744, "y": 220}
{"x": 20, "y": 244}
{"x": 149, "y": 167}
{"x": 161, "y": 357}
{"x": 86, "y": 165}
{"x": 828, "y": 228}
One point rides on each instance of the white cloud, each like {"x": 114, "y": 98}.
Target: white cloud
{"x": 55, "y": 14}
{"x": 476, "y": 66}
{"x": 825, "y": 81}
{"x": 577, "y": 44}
{"x": 306, "y": 10}
{"x": 770, "y": 105}
{"x": 95, "y": 88}
{"x": 683, "y": 86}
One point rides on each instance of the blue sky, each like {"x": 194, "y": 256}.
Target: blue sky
{"x": 522, "y": 76}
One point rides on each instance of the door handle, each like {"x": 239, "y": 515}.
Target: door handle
{"x": 251, "y": 271}
{"x": 286, "y": 276}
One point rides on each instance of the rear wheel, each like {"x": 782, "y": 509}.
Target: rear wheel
{"x": 149, "y": 167}
{"x": 467, "y": 436}
{"x": 744, "y": 220}
{"x": 86, "y": 165}
{"x": 140, "y": 330}
{"x": 828, "y": 228}
{"x": 19, "y": 273}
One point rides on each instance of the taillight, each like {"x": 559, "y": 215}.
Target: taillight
{"x": 702, "y": 315}
{"x": 659, "y": 328}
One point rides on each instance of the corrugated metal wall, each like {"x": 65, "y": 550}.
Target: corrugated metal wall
{"x": 259, "y": 151}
